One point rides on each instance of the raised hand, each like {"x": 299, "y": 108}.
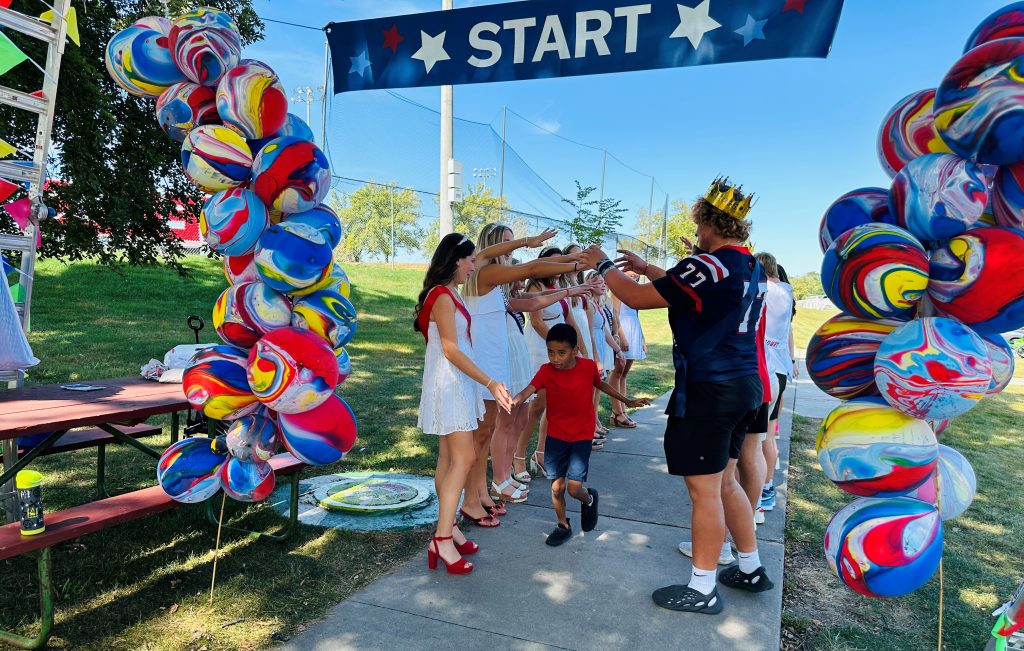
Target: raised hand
{"x": 591, "y": 256}
{"x": 629, "y": 261}
{"x": 686, "y": 242}
{"x": 536, "y": 240}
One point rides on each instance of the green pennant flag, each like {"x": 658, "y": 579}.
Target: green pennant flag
{"x": 10, "y": 55}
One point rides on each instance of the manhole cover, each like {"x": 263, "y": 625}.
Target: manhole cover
{"x": 369, "y": 496}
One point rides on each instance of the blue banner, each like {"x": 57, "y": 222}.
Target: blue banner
{"x": 539, "y": 39}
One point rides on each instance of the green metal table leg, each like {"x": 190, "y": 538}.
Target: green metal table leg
{"x": 293, "y": 515}
{"x": 101, "y": 473}
{"x": 45, "y": 608}
{"x": 175, "y": 426}
{"x": 124, "y": 438}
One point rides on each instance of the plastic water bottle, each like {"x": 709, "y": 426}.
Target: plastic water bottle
{"x": 30, "y": 500}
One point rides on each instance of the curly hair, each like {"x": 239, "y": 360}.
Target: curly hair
{"x": 723, "y": 223}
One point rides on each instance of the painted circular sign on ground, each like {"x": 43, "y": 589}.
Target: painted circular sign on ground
{"x": 370, "y": 495}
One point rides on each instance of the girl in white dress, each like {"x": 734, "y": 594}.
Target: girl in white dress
{"x": 486, "y": 301}
{"x": 634, "y": 347}
{"x": 603, "y": 339}
{"x": 450, "y": 401}
{"x": 582, "y": 314}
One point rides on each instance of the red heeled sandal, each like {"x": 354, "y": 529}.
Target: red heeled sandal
{"x": 465, "y": 548}
{"x": 487, "y": 522}
{"x": 461, "y": 566}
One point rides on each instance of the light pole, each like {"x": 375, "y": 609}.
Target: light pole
{"x": 484, "y": 173}
{"x": 307, "y": 96}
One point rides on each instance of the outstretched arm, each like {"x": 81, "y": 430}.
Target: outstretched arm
{"x": 444, "y": 316}
{"x": 523, "y": 396}
{"x": 504, "y": 248}
{"x": 538, "y": 302}
{"x": 630, "y": 261}
{"x": 627, "y": 290}
{"x": 492, "y": 275}
{"x": 609, "y": 390}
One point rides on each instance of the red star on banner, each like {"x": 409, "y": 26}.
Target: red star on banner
{"x": 392, "y": 38}
{"x": 794, "y": 5}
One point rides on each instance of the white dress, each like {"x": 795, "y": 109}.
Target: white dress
{"x": 632, "y": 334}
{"x": 607, "y": 355}
{"x": 490, "y": 341}
{"x": 449, "y": 401}
{"x": 552, "y": 315}
{"x": 579, "y": 314}
{"x": 520, "y": 364}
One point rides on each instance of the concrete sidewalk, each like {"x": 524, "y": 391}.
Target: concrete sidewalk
{"x": 594, "y": 592}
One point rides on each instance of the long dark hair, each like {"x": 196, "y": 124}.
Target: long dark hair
{"x": 546, "y": 253}
{"x": 452, "y": 248}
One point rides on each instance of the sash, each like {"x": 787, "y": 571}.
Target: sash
{"x": 707, "y": 342}
{"x": 428, "y": 305}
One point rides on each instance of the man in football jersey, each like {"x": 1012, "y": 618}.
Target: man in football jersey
{"x": 714, "y": 302}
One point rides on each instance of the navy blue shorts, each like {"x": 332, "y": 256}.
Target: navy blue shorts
{"x": 569, "y": 460}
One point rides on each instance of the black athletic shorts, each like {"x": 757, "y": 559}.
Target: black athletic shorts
{"x": 712, "y": 432}
{"x": 778, "y": 401}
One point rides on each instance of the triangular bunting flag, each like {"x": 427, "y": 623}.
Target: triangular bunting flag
{"x": 39, "y": 94}
{"x": 6, "y": 148}
{"x": 7, "y": 189}
{"x": 72, "y": 19}
{"x": 10, "y": 55}
{"x": 19, "y": 210}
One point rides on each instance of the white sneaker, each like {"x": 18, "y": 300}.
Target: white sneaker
{"x": 759, "y": 516}
{"x": 725, "y": 556}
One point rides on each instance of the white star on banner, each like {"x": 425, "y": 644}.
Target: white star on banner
{"x": 753, "y": 29}
{"x": 695, "y": 22}
{"x": 360, "y": 64}
{"x": 431, "y": 50}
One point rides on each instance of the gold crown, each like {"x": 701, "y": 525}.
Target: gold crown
{"x": 725, "y": 200}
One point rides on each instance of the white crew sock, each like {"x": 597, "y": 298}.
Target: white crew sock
{"x": 703, "y": 581}
{"x": 749, "y": 561}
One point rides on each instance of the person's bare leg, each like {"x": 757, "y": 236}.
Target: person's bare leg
{"x": 739, "y": 516}
{"x": 707, "y": 520}
{"x": 520, "y": 416}
{"x": 501, "y": 446}
{"x": 536, "y": 411}
{"x": 751, "y": 468}
{"x": 476, "y": 482}
{"x": 615, "y": 380}
{"x": 454, "y": 461}
{"x": 770, "y": 448}
{"x": 558, "y": 499}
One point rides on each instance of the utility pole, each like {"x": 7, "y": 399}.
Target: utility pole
{"x": 447, "y": 101}
{"x": 391, "y": 194}
{"x": 501, "y": 174}
{"x": 604, "y": 167}
{"x": 664, "y": 235}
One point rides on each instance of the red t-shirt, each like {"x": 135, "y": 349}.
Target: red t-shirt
{"x": 570, "y": 399}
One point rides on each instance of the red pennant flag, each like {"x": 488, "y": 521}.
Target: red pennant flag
{"x": 7, "y": 189}
{"x": 19, "y": 211}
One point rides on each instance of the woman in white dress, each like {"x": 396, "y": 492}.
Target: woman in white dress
{"x": 603, "y": 339}
{"x": 486, "y": 301}
{"x": 582, "y": 313}
{"x": 634, "y": 347}
{"x": 450, "y": 400}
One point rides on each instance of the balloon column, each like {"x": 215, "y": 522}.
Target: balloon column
{"x": 926, "y": 274}
{"x": 285, "y": 318}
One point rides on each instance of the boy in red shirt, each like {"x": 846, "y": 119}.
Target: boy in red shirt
{"x": 569, "y": 382}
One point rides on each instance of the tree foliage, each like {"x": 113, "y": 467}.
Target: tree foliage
{"x": 807, "y": 285}
{"x": 117, "y": 172}
{"x": 595, "y": 218}
{"x": 480, "y": 206}
{"x": 649, "y": 228}
{"x": 378, "y": 220}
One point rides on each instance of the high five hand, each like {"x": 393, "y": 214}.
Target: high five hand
{"x": 534, "y": 241}
{"x": 592, "y": 256}
{"x": 630, "y": 261}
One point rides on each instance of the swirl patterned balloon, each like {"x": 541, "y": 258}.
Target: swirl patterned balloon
{"x": 939, "y": 196}
{"x": 344, "y": 364}
{"x": 215, "y": 383}
{"x": 232, "y": 221}
{"x": 1003, "y": 362}
{"x": 292, "y": 370}
{"x": 854, "y": 208}
{"x": 291, "y": 175}
{"x": 328, "y": 314}
{"x": 253, "y": 438}
{"x": 321, "y": 218}
{"x": 184, "y": 106}
{"x": 251, "y": 99}
{"x": 247, "y": 481}
{"x": 909, "y": 131}
{"x": 244, "y": 313}
{"x": 322, "y": 435}
{"x": 977, "y": 278}
{"x": 294, "y": 127}
{"x": 978, "y": 107}
{"x": 240, "y": 269}
{"x": 841, "y": 355}
{"x": 189, "y": 470}
{"x": 957, "y": 484}
{"x": 205, "y": 44}
{"x": 933, "y": 368}
{"x": 139, "y": 61}
{"x": 292, "y": 257}
{"x": 870, "y": 449}
{"x": 1007, "y": 22}
{"x": 884, "y": 547}
{"x": 875, "y": 271}
{"x": 1008, "y": 196}
{"x": 336, "y": 281}
{"x": 216, "y": 158}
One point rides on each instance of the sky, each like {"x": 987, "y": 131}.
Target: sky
{"x": 799, "y": 133}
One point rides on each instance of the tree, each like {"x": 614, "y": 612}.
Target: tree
{"x": 595, "y": 218}
{"x": 649, "y": 229}
{"x": 118, "y": 172}
{"x": 375, "y": 227}
{"x": 807, "y": 285}
{"x": 477, "y": 208}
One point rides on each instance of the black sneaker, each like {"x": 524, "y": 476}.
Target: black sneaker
{"x": 562, "y": 533}
{"x": 756, "y": 581}
{"x": 588, "y": 514}
{"x": 683, "y": 598}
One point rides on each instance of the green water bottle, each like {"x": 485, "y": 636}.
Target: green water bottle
{"x": 30, "y": 502}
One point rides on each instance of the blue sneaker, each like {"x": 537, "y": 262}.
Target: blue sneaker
{"x": 768, "y": 499}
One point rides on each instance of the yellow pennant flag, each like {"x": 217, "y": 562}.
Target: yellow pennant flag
{"x": 6, "y": 148}
{"x": 72, "y": 19}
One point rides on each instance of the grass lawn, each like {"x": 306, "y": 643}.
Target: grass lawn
{"x": 144, "y": 585}
{"x": 982, "y": 560}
